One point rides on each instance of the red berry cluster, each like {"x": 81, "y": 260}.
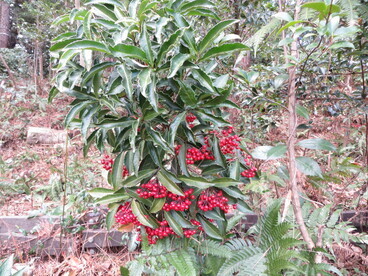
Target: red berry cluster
{"x": 190, "y": 118}
{"x": 161, "y": 232}
{"x": 164, "y": 230}
{"x": 228, "y": 145}
{"x": 177, "y": 149}
{"x": 197, "y": 223}
{"x": 107, "y": 162}
{"x": 125, "y": 215}
{"x": 152, "y": 189}
{"x": 125, "y": 171}
{"x": 179, "y": 203}
{"x": 210, "y": 199}
{"x": 189, "y": 232}
{"x": 194, "y": 154}
{"x": 251, "y": 172}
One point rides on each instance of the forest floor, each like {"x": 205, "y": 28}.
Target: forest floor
{"x": 28, "y": 172}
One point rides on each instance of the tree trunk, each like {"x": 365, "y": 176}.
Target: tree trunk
{"x": 4, "y": 24}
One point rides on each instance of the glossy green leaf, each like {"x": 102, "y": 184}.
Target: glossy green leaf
{"x": 104, "y": 12}
{"x": 235, "y": 170}
{"x": 203, "y": 79}
{"x": 219, "y": 157}
{"x": 198, "y": 182}
{"x": 66, "y": 57}
{"x": 187, "y": 95}
{"x": 100, "y": 192}
{"x": 182, "y": 160}
{"x": 318, "y": 6}
{"x": 221, "y": 81}
{"x": 62, "y": 44}
{"x": 117, "y": 171}
{"x": 261, "y": 152}
{"x": 164, "y": 179}
{"x": 179, "y": 218}
{"x": 52, "y": 94}
{"x": 129, "y": 51}
{"x": 176, "y": 63}
{"x": 87, "y": 118}
{"x": 111, "y": 2}
{"x": 317, "y": 144}
{"x": 213, "y": 214}
{"x": 88, "y": 45}
{"x": 144, "y": 78}
{"x": 143, "y": 216}
{"x": 110, "y": 217}
{"x": 169, "y": 44}
{"x": 276, "y": 152}
{"x": 213, "y": 33}
{"x": 283, "y": 16}
{"x": 288, "y": 25}
{"x": 234, "y": 192}
{"x": 174, "y": 127}
{"x": 196, "y": 4}
{"x": 243, "y": 207}
{"x": 188, "y": 33}
{"x": 302, "y": 111}
{"x": 210, "y": 229}
{"x": 157, "y": 138}
{"x": 157, "y": 205}
{"x": 308, "y": 166}
{"x": 121, "y": 123}
{"x": 173, "y": 224}
{"x": 61, "y": 19}
{"x": 112, "y": 198}
{"x": 225, "y": 182}
{"x": 342, "y": 44}
{"x": 217, "y": 121}
{"x": 87, "y": 144}
{"x": 74, "y": 111}
{"x": 145, "y": 44}
{"x": 224, "y": 49}
{"x": 95, "y": 70}
{"x": 134, "y": 180}
{"x": 146, "y": 5}
{"x": 212, "y": 169}
{"x": 126, "y": 75}
{"x": 87, "y": 25}
{"x": 152, "y": 94}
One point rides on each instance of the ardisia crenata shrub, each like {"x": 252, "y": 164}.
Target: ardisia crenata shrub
{"x": 146, "y": 84}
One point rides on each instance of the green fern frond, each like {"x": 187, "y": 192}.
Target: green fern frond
{"x": 279, "y": 265}
{"x": 210, "y": 247}
{"x": 248, "y": 261}
{"x": 256, "y": 40}
{"x": 213, "y": 265}
{"x": 183, "y": 263}
{"x": 350, "y": 7}
{"x": 236, "y": 244}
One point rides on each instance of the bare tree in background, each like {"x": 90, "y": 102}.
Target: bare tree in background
{"x": 4, "y": 24}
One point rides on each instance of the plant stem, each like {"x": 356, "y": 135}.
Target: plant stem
{"x": 293, "y": 184}
{"x": 64, "y": 181}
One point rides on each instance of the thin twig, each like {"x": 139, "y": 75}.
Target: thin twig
{"x": 11, "y": 76}
{"x": 64, "y": 181}
{"x": 293, "y": 122}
